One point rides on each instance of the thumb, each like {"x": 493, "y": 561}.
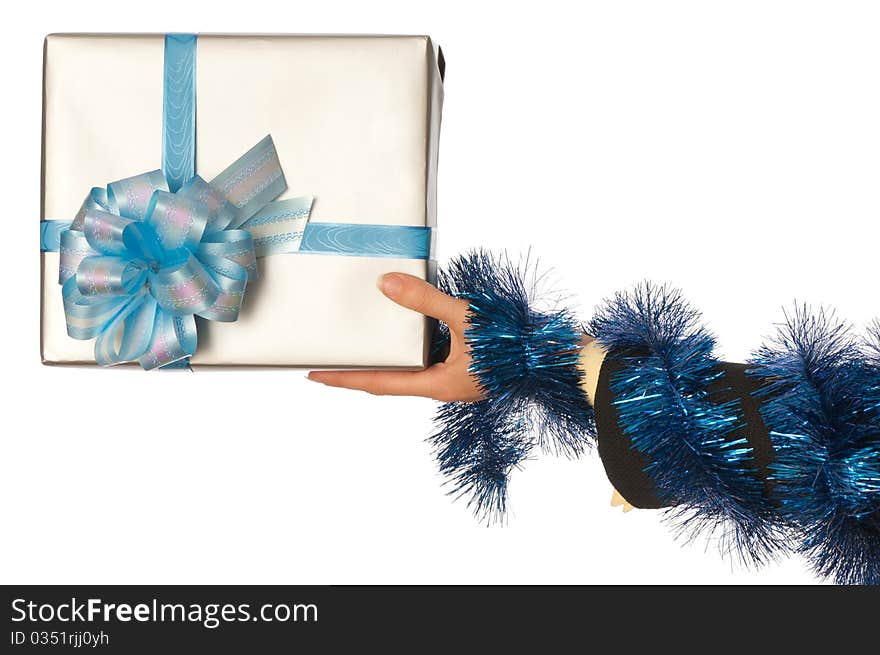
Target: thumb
{"x": 420, "y": 296}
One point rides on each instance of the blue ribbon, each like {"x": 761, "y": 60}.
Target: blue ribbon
{"x": 402, "y": 241}
{"x": 179, "y": 110}
{"x": 50, "y": 235}
{"x": 146, "y": 254}
{"x": 139, "y": 262}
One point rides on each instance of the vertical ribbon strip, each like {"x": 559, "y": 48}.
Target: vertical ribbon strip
{"x": 179, "y": 110}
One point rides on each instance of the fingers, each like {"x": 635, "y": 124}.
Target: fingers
{"x": 418, "y": 295}
{"x": 383, "y": 383}
{"x": 619, "y": 501}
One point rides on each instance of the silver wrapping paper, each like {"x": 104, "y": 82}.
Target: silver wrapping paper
{"x": 356, "y": 122}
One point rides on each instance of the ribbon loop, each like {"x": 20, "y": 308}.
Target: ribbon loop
{"x": 232, "y": 245}
{"x": 179, "y": 221}
{"x": 74, "y": 247}
{"x": 109, "y": 276}
{"x": 130, "y": 197}
{"x": 173, "y": 339}
{"x": 88, "y": 316}
{"x": 141, "y": 241}
{"x": 97, "y": 199}
{"x": 130, "y": 329}
{"x": 221, "y": 211}
{"x": 103, "y": 231}
{"x": 231, "y": 279}
{"x": 183, "y": 285}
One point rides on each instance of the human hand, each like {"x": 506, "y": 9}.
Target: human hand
{"x": 446, "y": 381}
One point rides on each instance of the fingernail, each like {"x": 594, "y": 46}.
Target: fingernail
{"x": 390, "y": 284}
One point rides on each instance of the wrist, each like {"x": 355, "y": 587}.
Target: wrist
{"x": 590, "y": 363}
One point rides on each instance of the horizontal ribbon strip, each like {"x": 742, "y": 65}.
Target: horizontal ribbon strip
{"x": 401, "y": 241}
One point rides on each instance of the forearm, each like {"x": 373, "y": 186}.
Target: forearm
{"x": 624, "y": 465}
{"x": 590, "y": 363}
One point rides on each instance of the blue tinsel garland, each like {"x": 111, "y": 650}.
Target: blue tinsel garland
{"x": 525, "y": 362}
{"x": 663, "y": 403}
{"x": 477, "y": 447}
{"x": 820, "y": 401}
{"x": 822, "y": 406}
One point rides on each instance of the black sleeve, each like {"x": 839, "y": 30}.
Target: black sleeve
{"x": 625, "y": 466}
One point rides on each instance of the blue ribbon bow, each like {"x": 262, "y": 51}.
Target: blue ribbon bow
{"x": 138, "y": 262}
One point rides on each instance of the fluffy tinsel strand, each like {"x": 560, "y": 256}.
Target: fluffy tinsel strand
{"x": 526, "y": 364}
{"x": 822, "y": 406}
{"x": 701, "y": 470}
{"x": 477, "y": 448}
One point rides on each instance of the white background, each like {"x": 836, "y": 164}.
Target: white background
{"x": 730, "y": 148}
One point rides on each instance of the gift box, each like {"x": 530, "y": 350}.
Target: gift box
{"x": 352, "y": 121}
